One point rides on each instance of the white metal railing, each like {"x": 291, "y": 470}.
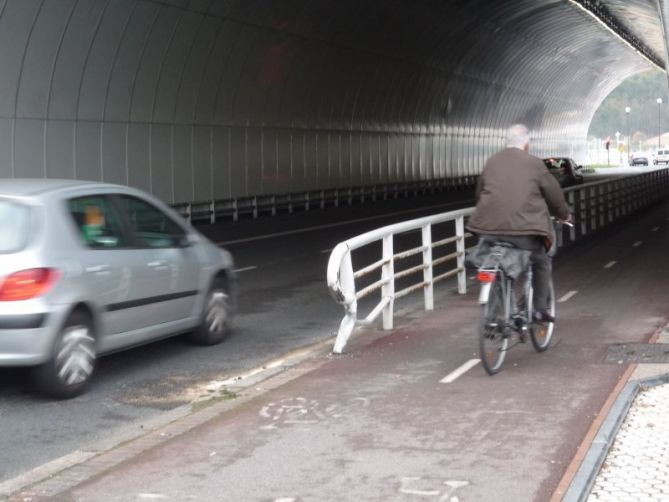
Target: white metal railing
{"x": 594, "y": 205}
{"x": 341, "y": 275}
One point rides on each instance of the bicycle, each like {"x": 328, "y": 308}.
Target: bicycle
{"x": 502, "y": 316}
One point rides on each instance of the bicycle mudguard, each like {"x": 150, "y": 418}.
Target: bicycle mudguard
{"x": 484, "y": 294}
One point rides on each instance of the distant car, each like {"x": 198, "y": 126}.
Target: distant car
{"x": 661, "y": 156}
{"x": 639, "y": 159}
{"x": 90, "y": 268}
{"x": 565, "y": 170}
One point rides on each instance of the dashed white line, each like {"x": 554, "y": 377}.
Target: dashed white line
{"x": 252, "y": 267}
{"x": 454, "y": 375}
{"x": 637, "y": 244}
{"x": 567, "y": 296}
{"x": 610, "y": 264}
{"x": 325, "y": 251}
{"x": 656, "y": 229}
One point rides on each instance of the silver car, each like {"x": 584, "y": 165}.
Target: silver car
{"x": 91, "y": 268}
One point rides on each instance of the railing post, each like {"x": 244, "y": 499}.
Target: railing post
{"x": 388, "y": 274}
{"x": 601, "y": 204}
{"x": 347, "y": 282}
{"x": 571, "y": 201}
{"x": 460, "y": 248}
{"x": 592, "y": 206}
{"x": 428, "y": 290}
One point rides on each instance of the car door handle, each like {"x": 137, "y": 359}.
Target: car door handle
{"x": 98, "y": 269}
{"x": 157, "y": 264}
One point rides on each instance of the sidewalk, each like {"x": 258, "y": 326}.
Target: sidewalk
{"x": 629, "y": 457}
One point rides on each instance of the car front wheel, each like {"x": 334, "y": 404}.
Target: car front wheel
{"x": 70, "y": 369}
{"x": 215, "y": 321}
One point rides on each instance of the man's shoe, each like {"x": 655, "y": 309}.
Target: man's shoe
{"x": 543, "y": 316}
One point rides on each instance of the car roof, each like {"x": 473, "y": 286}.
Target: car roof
{"x": 22, "y": 187}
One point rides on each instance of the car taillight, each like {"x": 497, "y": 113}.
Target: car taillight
{"x": 27, "y": 284}
{"x": 484, "y": 276}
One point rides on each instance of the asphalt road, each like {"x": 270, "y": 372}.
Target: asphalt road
{"x": 284, "y": 304}
{"x": 385, "y": 422}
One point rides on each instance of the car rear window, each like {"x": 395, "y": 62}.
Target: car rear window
{"x": 15, "y": 225}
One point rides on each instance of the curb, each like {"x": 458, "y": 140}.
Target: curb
{"x": 585, "y": 477}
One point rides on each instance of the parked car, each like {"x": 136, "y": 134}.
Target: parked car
{"x": 565, "y": 170}
{"x": 639, "y": 159}
{"x": 91, "y": 268}
{"x": 661, "y": 156}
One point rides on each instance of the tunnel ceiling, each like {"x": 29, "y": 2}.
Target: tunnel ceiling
{"x": 203, "y": 99}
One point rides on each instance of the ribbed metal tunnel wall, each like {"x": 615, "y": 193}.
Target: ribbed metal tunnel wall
{"x": 204, "y": 99}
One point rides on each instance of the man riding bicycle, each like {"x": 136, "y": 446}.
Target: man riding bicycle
{"x": 516, "y": 196}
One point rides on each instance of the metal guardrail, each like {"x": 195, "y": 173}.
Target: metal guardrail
{"x": 211, "y": 211}
{"x": 594, "y": 206}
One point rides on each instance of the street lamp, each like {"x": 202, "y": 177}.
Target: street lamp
{"x": 627, "y": 112}
{"x": 659, "y": 133}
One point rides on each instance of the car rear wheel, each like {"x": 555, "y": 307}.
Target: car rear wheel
{"x": 70, "y": 369}
{"x": 215, "y": 322}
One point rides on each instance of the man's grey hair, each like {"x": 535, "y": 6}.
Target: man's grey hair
{"x": 517, "y": 136}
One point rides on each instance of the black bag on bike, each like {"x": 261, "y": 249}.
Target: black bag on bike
{"x": 490, "y": 254}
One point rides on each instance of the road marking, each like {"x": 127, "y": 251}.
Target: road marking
{"x": 325, "y": 251}
{"x": 656, "y": 229}
{"x": 567, "y": 296}
{"x": 337, "y": 224}
{"x": 454, "y": 375}
{"x": 610, "y": 264}
{"x": 252, "y": 267}
{"x": 637, "y": 244}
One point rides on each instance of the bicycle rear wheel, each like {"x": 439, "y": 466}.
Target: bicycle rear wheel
{"x": 542, "y": 333}
{"x": 493, "y": 342}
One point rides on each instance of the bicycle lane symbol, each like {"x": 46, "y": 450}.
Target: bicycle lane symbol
{"x": 410, "y": 486}
{"x": 302, "y": 411}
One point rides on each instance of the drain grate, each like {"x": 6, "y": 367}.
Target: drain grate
{"x": 638, "y": 353}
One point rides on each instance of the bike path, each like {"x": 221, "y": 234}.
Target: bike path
{"x": 378, "y": 424}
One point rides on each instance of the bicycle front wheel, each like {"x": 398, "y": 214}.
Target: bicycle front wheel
{"x": 493, "y": 341}
{"x": 542, "y": 333}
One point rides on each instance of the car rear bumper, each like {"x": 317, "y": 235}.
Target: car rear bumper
{"x": 26, "y": 339}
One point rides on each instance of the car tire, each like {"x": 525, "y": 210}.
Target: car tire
{"x": 71, "y": 367}
{"x": 214, "y": 324}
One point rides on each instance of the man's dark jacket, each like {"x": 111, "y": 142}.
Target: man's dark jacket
{"x": 516, "y": 195}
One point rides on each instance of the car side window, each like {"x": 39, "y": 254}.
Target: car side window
{"x": 97, "y": 222}
{"x": 152, "y": 227}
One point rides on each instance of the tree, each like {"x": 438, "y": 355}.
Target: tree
{"x": 640, "y": 93}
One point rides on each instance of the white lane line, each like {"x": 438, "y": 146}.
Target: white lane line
{"x": 325, "y": 251}
{"x": 637, "y": 244}
{"x": 337, "y": 224}
{"x": 567, "y": 296}
{"x": 252, "y": 267}
{"x": 656, "y": 229}
{"x": 610, "y": 264}
{"x": 460, "y": 371}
